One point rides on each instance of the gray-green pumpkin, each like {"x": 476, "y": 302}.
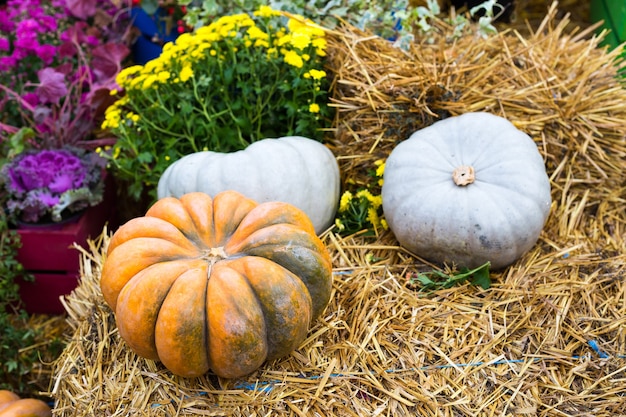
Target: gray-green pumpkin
{"x": 467, "y": 190}
{"x": 292, "y": 169}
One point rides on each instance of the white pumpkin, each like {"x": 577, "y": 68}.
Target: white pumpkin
{"x": 467, "y": 190}
{"x": 291, "y": 169}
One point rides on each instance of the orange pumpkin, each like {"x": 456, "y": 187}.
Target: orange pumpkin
{"x": 11, "y": 405}
{"x": 219, "y": 283}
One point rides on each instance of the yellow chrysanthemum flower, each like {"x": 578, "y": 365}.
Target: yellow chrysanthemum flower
{"x": 272, "y": 53}
{"x": 320, "y": 46}
{"x": 372, "y": 217}
{"x": 255, "y": 33}
{"x": 344, "y": 203}
{"x": 112, "y": 117}
{"x": 283, "y": 40}
{"x": 316, "y": 74}
{"x": 126, "y": 74}
{"x": 163, "y": 76}
{"x": 293, "y": 59}
{"x": 366, "y": 194}
{"x": 314, "y": 108}
{"x": 381, "y": 168}
{"x": 300, "y": 40}
{"x": 184, "y": 41}
{"x": 132, "y": 117}
{"x": 147, "y": 83}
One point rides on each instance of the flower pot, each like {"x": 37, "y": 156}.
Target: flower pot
{"x": 49, "y": 255}
{"x": 152, "y": 34}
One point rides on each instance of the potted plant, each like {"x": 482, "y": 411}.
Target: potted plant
{"x": 240, "y": 79}
{"x": 58, "y": 62}
{"x": 50, "y": 187}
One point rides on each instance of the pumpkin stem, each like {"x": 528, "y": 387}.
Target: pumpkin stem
{"x": 216, "y": 254}
{"x": 463, "y": 175}
{"x": 213, "y": 256}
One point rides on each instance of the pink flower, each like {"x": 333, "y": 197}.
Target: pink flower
{"x": 4, "y": 44}
{"x": 7, "y": 62}
{"x": 27, "y": 43}
{"x": 6, "y": 24}
{"x": 31, "y": 98}
{"x": 46, "y": 53}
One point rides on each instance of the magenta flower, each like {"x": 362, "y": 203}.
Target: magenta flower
{"x": 46, "y": 53}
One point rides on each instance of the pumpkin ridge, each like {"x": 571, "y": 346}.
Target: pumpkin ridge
{"x": 271, "y": 214}
{"x": 180, "y": 336}
{"x": 432, "y": 144}
{"x": 306, "y": 266}
{"x": 149, "y": 227}
{"x": 229, "y": 209}
{"x": 199, "y": 208}
{"x": 236, "y": 330}
{"x": 283, "y": 334}
{"x": 519, "y": 193}
{"x": 511, "y": 243}
{"x": 128, "y": 258}
{"x": 274, "y": 234}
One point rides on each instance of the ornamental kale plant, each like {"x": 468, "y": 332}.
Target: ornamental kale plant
{"x": 58, "y": 61}
{"x": 46, "y": 184}
{"x": 242, "y": 78}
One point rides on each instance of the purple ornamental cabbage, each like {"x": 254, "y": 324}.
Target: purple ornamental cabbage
{"x": 47, "y": 182}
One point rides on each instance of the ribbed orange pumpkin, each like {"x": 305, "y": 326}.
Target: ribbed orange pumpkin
{"x": 219, "y": 283}
{"x": 11, "y": 405}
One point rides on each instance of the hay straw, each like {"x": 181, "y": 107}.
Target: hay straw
{"x": 549, "y": 337}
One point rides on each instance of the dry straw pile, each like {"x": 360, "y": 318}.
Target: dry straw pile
{"x": 548, "y": 338}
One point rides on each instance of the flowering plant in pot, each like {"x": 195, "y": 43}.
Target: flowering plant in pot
{"x": 58, "y": 61}
{"x": 240, "y": 79}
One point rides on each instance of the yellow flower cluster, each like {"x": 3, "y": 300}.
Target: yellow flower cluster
{"x": 374, "y": 202}
{"x": 362, "y": 208}
{"x": 182, "y": 60}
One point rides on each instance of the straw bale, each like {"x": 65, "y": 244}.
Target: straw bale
{"x": 547, "y": 339}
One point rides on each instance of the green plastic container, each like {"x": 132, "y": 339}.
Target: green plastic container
{"x": 613, "y": 13}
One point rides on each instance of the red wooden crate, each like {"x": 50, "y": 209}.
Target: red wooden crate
{"x": 51, "y": 257}
{"x": 43, "y": 295}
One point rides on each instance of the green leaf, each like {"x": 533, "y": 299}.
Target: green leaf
{"x": 145, "y": 157}
{"x": 481, "y": 276}
{"x": 436, "y": 280}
